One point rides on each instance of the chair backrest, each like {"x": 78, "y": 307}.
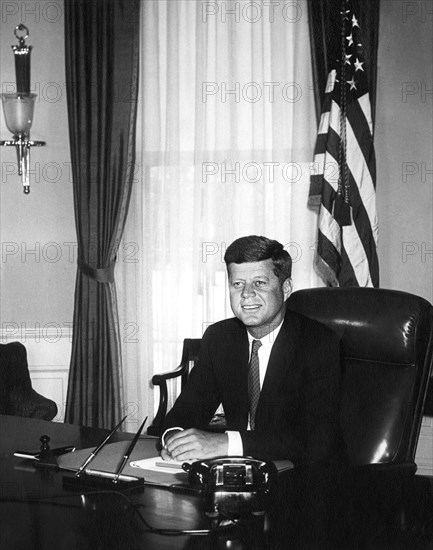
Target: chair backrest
{"x": 14, "y": 373}
{"x": 386, "y": 346}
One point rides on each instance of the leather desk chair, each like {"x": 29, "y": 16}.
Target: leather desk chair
{"x": 387, "y": 353}
{"x": 17, "y": 397}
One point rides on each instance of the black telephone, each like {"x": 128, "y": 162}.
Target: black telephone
{"x": 232, "y": 487}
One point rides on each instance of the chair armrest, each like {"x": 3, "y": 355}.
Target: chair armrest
{"x": 161, "y": 378}
{"x": 32, "y": 405}
{"x": 161, "y": 381}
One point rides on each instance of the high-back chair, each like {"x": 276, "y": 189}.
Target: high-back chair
{"x": 386, "y": 354}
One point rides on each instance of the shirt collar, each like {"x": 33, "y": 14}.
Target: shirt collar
{"x": 269, "y": 339}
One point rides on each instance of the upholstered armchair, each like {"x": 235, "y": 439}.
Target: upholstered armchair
{"x": 17, "y": 397}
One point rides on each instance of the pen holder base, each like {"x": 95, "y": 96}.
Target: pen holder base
{"x": 93, "y": 482}
{"x": 48, "y": 460}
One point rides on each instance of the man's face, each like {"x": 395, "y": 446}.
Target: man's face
{"x": 257, "y": 297}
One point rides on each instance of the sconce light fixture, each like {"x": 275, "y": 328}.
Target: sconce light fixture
{"x": 18, "y": 108}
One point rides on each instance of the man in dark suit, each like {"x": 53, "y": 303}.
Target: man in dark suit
{"x": 275, "y": 372}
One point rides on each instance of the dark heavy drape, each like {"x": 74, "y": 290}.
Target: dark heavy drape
{"x": 324, "y": 23}
{"x": 101, "y": 41}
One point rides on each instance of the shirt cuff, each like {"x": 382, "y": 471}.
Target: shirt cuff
{"x": 164, "y": 435}
{"x": 235, "y": 446}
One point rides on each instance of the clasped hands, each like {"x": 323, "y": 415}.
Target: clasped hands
{"x": 194, "y": 444}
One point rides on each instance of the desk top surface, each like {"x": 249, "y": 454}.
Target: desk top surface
{"x": 314, "y": 507}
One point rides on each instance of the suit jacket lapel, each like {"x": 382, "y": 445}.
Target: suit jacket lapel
{"x": 237, "y": 374}
{"x": 281, "y": 358}
{"x": 240, "y": 363}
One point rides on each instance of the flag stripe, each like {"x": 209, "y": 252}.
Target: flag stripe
{"x": 353, "y": 245}
{"x": 356, "y": 117}
{"x": 347, "y": 275}
{"x": 363, "y": 194}
{"x": 331, "y": 266}
{"x": 332, "y": 169}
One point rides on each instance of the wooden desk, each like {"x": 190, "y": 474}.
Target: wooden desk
{"x": 317, "y": 507}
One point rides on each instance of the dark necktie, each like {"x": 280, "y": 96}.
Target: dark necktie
{"x": 254, "y": 382}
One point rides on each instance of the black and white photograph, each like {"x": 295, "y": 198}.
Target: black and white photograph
{"x": 216, "y": 276}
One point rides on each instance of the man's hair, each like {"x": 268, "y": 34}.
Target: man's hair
{"x": 256, "y": 249}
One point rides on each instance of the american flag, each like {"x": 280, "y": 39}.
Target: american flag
{"x": 343, "y": 180}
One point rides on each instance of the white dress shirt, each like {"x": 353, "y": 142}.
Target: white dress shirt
{"x": 235, "y": 447}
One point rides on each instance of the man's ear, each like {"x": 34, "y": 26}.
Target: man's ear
{"x": 287, "y": 288}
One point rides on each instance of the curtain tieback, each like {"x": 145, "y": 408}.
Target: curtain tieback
{"x": 101, "y": 275}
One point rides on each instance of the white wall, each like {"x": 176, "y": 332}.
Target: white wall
{"x": 37, "y": 270}
{"x": 403, "y": 141}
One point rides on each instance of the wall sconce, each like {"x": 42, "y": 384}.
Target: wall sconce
{"x": 18, "y": 109}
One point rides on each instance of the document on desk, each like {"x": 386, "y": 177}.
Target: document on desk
{"x": 109, "y": 458}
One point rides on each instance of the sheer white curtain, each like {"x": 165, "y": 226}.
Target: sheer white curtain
{"x": 225, "y": 141}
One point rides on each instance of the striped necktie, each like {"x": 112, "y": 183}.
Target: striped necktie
{"x": 254, "y": 382}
